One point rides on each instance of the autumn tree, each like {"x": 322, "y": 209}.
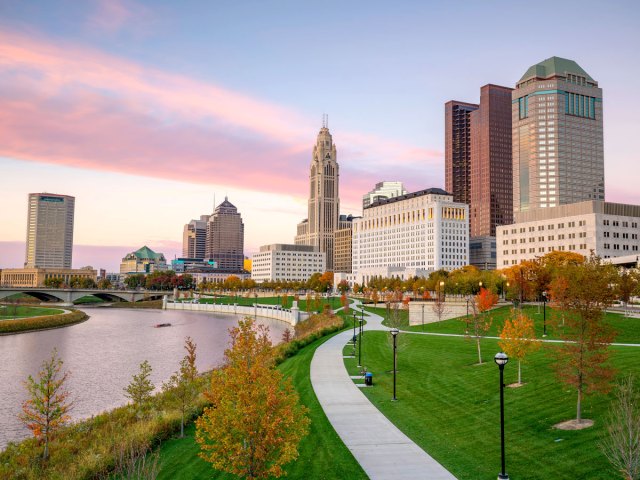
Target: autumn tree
{"x": 344, "y": 301}
{"x": 582, "y": 359}
{"x": 255, "y": 422}
{"x": 343, "y": 286}
{"x": 140, "y": 389}
{"x": 627, "y": 285}
{"x": 481, "y": 320}
{"x": 621, "y": 446}
{"x": 439, "y": 306}
{"x": 518, "y": 338}
{"x": 47, "y": 408}
{"x": 182, "y": 385}
{"x": 375, "y": 297}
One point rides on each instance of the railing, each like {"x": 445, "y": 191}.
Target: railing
{"x": 291, "y": 316}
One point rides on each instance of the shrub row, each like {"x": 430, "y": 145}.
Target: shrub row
{"x": 39, "y": 323}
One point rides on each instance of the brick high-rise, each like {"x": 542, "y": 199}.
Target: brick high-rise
{"x": 491, "y": 198}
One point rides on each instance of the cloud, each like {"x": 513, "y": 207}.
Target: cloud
{"x": 110, "y": 16}
{"x": 70, "y": 105}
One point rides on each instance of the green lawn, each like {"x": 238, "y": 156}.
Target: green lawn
{"x": 322, "y": 453}
{"x": 9, "y": 312}
{"x": 628, "y": 329}
{"x": 450, "y": 407}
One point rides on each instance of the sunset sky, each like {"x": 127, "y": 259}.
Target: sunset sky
{"x": 144, "y": 111}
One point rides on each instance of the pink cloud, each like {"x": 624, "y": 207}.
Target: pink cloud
{"x": 75, "y": 106}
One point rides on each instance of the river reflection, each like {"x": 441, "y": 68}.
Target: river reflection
{"x": 105, "y": 351}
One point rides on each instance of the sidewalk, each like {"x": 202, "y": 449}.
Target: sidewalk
{"x": 382, "y": 450}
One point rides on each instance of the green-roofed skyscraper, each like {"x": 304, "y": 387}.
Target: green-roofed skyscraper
{"x": 558, "y": 155}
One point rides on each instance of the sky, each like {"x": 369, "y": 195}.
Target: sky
{"x": 148, "y": 112}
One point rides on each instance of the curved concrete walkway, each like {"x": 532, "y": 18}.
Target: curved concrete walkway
{"x": 383, "y": 451}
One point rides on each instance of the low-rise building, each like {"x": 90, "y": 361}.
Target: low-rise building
{"x": 604, "y": 228}
{"x": 418, "y": 232}
{"x": 291, "y": 263}
{"x": 188, "y": 265}
{"x": 36, "y": 277}
{"x": 143, "y": 260}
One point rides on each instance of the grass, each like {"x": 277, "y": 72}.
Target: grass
{"x": 322, "y": 453}
{"x": 450, "y": 407}
{"x": 627, "y": 328}
{"x": 21, "y": 311}
{"x": 88, "y": 299}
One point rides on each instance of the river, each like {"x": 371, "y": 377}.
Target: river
{"x": 105, "y": 351}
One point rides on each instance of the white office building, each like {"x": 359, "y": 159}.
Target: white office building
{"x": 290, "y": 263}
{"x": 383, "y": 191}
{"x": 608, "y": 229}
{"x": 410, "y": 235}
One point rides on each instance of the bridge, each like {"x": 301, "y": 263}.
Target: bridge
{"x": 69, "y": 295}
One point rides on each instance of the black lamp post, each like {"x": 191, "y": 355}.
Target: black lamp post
{"x": 544, "y": 314}
{"x": 360, "y": 344}
{"x": 441, "y": 293}
{"x": 467, "y": 317}
{"x": 423, "y": 317}
{"x": 394, "y": 334}
{"x": 501, "y": 360}
{"x": 353, "y": 339}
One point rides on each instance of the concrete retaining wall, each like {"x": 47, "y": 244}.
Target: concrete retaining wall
{"x": 292, "y": 316}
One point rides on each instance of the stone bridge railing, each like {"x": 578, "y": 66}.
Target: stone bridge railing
{"x": 291, "y": 316}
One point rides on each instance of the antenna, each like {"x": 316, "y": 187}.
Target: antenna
{"x": 325, "y": 120}
{"x": 214, "y": 201}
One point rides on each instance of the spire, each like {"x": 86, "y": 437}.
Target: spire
{"x": 325, "y": 120}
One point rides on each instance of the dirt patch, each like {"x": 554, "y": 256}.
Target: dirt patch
{"x": 574, "y": 424}
{"x": 516, "y": 385}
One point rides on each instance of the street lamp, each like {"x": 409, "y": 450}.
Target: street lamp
{"x": 423, "y": 317}
{"x": 353, "y": 339}
{"x": 480, "y": 285}
{"x": 467, "y": 317}
{"x": 394, "y": 333}
{"x": 505, "y": 292}
{"x": 360, "y": 344}
{"x": 441, "y": 295}
{"x": 544, "y": 314}
{"x": 501, "y": 360}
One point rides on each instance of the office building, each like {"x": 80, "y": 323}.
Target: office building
{"x": 491, "y": 199}
{"x": 289, "y": 263}
{"x": 410, "y": 235}
{"x": 457, "y": 149}
{"x": 189, "y": 265}
{"x": 143, "y": 260}
{"x": 558, "y": 155}
{"x": 225, "y": 238}
{"x": 194, "y": 238}
{"x": 607, "y": 229}
{"x": 318, "y": 229}
{"x": 49, "y": 231}
{"x": 383, "y": 191}
{"x": 37, "y": 277}
{"x": 342, "y": 254}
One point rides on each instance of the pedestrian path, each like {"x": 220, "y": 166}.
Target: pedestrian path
{"x": 382, "y": 450}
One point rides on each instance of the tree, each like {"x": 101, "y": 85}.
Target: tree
{"x": 182, "y": 385}
{"x": 141, "y": 387}
{"x": 439, "y": 307}
{"x": 343, "y": 286}
{"x": 480, "y": 319}
{"x": 582, "y": 359}
{"x": 255, "y": 422}
{"x": 47, "y": 408}
{"x": 518, "y": 338}
{"x": 135, "y": 281}
{"x": 53, "y": 282}
{"x": 104, "y": 284}
{"x": 344, "y": 301}
{"x": 627, "y": 285}
{"x": 622, "y": 444}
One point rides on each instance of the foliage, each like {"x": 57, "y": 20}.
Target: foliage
{"x": 255, "y": 423}
{"x": 343, "y": 286}
{"x": 83, "y": 282}
{"x": 344, "y": 301}
{"x": 518, "y": 338}
{"x": 136, "y": 280}
{"x": 485, "y": 300}
{"x": 480, "y": 320}
{"x": 104, "y": 284}
{"x": 622, "y": 444}
{"x": 182, "y": 385}
{"x": 582, "y": 357}
{"x": 53, "y": 282}
{"x": 141, "y": 387}
{"x": 47, "y": 408}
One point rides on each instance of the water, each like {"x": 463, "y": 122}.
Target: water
{"x": 104, "y": 352}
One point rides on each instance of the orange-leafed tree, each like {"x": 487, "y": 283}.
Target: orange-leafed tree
{"x": 255, "y": 421}
{"x": 47, "y": 408}
{"x": 375, "y": 297}
{"x": 344, "y": 301}
{"x": 518, "y": 339}
{"x": 582, "y": 360}
{"x": 481, "y": 320}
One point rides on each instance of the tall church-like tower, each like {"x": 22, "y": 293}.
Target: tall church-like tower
{"x": 324, "y": 200}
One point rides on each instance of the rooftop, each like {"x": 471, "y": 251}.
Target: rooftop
{"x": 555, "y": 66}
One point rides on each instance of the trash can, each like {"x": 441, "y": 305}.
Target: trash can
{"x": 368, "y": 379}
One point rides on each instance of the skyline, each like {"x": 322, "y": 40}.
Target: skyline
{"x": 244, "y": 123}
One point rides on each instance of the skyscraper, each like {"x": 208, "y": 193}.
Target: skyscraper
{"x": 194, "y": 238}
{"x": 324, "y": 201}
{"x": 383, "y": 191}
{"x": 491, "y": 199}
{"x": 225, "y": 238}
{"x": 558, "y": 155}
{"x": 49, "y": 231}
{"x": 457, "y": 149}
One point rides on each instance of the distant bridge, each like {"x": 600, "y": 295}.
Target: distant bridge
{"x": 69, "y": 295}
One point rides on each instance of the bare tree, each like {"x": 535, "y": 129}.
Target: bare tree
{"x": 439, "y": 307}
{"x": 622, "y": 444}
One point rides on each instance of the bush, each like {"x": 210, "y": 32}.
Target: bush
{"x": 39, "y": 323}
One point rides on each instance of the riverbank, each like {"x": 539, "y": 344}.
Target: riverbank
{"x": 43, "y": 322}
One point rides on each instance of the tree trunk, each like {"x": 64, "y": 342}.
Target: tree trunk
{"x": 479, "y": 354}
{"x": 519, "y": 374}
{"x": 45, "y": 454}
{"x": 579, "y": 406}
